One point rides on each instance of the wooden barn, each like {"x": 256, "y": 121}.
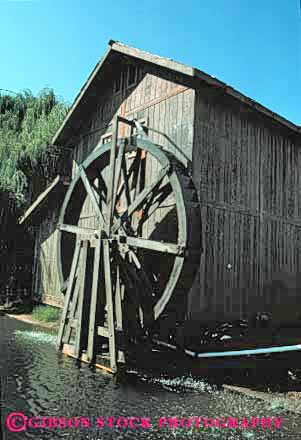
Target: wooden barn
{"x": 244, "y": 161}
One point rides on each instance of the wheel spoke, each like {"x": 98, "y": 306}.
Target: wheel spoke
{"x": 91, "y": 193}
{"x": 153, "y": 204}
{"x": 126, "y": 176}
{"x": 111, "y": 183}
{"x": 146, "y": 281}
{"x": 138, "y": 275}
{"x": 77, "y": 230}
{"x": 136, "y": 174}
{"x": 126, "y": 183}
{"x": 128, "y": 281}
{"x": 102, "y": 184}
{"x": 158, "y": 246}
{"x": 109, "y": 299}
{"x": 139, "y": 200}
{"x": 119, "y": 162}
{"x": 138, "y": 289}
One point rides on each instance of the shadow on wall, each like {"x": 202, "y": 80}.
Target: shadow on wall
{"x": 45, "y": 274}
{"x": 280, "y": 297}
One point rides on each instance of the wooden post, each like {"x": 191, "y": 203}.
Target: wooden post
{"x": 93, "y": 305}
{"x": 109, "y": 297}
{"x": 118, "y": 311}
{"x": 74, "y": 302}
{"x": 78, "y": 338}
{"x": 68, "y": 294}
{"x": 111, "y": 184}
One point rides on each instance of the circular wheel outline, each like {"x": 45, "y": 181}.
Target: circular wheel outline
{"x": 177, "y": 183}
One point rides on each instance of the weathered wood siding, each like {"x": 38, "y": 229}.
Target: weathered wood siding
{"x": 159, "y": 101}
{"x": 46, "y": 286}
{"x": 247, "y": 173}
{"x": 155, "y": 97}
{"x": 246, "y": 170}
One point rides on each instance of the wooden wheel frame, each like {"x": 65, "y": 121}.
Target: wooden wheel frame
{"x": 149, "y": 248}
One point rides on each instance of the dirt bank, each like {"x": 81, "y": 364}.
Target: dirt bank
{"x": 288, "y": 401}
{"x": 26, "y": 317}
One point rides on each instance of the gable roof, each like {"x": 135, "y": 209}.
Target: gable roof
{"x": 83, "y": 98}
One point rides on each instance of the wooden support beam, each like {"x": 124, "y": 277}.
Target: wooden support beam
{"x": 68, "y": 351}
{"x": 110, "y": 194}
{"x": 118, "y": 311}
{"x": 72, "y": 322}
{"x": 77, "y": 230}
{"x": 68, "y": 294}
{"x": 103, "y": 331}
{"x": 119, "y": 162}
{"x": 78, "y": 337}
{"x": 158, "y": 246}
{"x": 93, "y": 304}
{"x": 110, "y": 307}
{"x": 139, "y": 200}
{"x": 126, "y": 176}
{"x": 92, "y": 194}
{"x": 126, "y": 186}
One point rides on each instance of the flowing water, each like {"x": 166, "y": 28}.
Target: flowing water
{"x": 38, "y": 381}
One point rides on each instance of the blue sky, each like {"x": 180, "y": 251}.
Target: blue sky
{"x": 253, "y": 45}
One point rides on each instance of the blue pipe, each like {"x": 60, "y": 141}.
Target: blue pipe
{"x": 249, "y": 352}
{"x": 253, "y": 351}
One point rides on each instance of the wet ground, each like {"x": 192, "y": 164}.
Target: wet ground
{"x": 37, "y": 382}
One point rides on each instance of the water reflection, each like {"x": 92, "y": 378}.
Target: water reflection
{"x": 38, "y": 381}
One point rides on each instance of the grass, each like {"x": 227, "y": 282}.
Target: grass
{"x": 46, "y": 313}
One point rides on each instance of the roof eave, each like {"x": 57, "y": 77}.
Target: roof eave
{"x": 42, "y": 197}
{"x": 167, "y": 63}
{"x": 79, "y": 97}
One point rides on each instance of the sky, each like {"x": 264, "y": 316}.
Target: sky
{"x": 252, "y": 45}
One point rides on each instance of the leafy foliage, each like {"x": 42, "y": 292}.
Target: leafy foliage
{"x": 46, "y": 313}
{"x": 27, "y": 163}
{"x": 27, "y": 124}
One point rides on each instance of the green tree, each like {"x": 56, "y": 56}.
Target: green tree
{"x": 27, "y": 125}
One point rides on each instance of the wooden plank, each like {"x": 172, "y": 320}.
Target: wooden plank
{"x": 110, "y": 307}
{"x": 68, "y": 294}
{"x": 111, "y": 177}
{"x": 118, "y": 311}
{"x": 125, "y": 185}
{"x": 93, "y": 196}
{"x": 78, "y": 336}
{"x": 93, "y": 304}
{"x": 76, "y": 229}
{"x": 72, "y": 321}
{"x": 103, "y": 331}
{"x": 43, "y": 196}
{"x": 119, "y": 162}
{"x": 158, "y": 246}
{"x": 139, "y": 200}
{"x": 68, "y": 351}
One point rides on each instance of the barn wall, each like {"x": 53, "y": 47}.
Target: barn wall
{"x": 161, "y": 102}
{"x": 247, "y": 174}
{"x": 156, "y": 97}
{"x": 46, "y": 286}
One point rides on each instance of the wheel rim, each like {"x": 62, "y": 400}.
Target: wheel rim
{"x": 124, "y": 240}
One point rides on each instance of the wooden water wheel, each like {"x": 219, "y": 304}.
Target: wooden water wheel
{"x": 128, "y": 243}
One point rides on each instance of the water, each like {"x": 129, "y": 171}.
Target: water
{"x": 38, "y": 381}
